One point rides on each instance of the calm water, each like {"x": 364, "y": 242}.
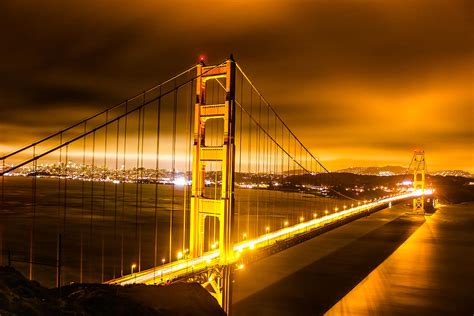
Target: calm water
{"x": 390, "y": 263}
{"x": 106, "y": 227}
{"x": 432, "y": 273}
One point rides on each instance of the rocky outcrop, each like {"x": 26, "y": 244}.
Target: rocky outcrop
{"x": 19, "y": 296}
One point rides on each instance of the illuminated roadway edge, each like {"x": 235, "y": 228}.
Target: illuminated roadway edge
{"x": 183, "y": 267}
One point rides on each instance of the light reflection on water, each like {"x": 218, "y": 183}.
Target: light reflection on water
{"x": 432, "y": 273}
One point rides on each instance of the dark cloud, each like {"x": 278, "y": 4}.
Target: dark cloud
{"x": 39, "y": 93}
{"x": 352, "y": 78}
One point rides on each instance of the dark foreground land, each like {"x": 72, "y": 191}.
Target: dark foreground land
{"x": 18, "y": 296}
{"x": 389, "y": 263}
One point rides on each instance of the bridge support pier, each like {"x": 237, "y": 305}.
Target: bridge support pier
{"x": 226, "y": 289}
{"x": 217, "y": 280}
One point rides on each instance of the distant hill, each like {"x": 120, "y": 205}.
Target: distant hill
{"x": 452, "y": 173}
{"x": 398, "y": 170}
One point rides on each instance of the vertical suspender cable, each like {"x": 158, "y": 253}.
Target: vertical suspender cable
{"x": 187, "y": 160}
{"x": 58, "y": 218}
{"x": 33, "y": 205}
{"x": 124, "y": 170}
{"x": 173, "y": 169}
{"x": 65, "y": 203}
{"x": 157, "y": 168}
{"x": 141, "y": 185}
{"x": 116, "y": 177}
{"x": 137, "y": 184}
{"x": 241, "y": 118}
{"x": 268, "y": 173}
{"x": 65, "y": 191}
{"x": 275, "y": 162}
{"x": 282, "y": 167}
{"x": 216, "y": 141}
{"x": 104, "y": 173}
{"x": 83, "y": 176}
{"x": 250, "y": 171}
{"x": 258, "y": 153}
{"x": 213, "y": 168}
{"x": 91, "y": 208}
{"x": 290, "y": 179}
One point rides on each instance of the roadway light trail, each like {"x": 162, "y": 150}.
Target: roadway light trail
{"x": 185, "y": 267}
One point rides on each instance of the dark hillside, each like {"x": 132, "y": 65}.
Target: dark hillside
{"x": 19, "y": 296}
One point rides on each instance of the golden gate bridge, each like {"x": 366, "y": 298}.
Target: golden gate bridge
{"x": 188, "y": 180}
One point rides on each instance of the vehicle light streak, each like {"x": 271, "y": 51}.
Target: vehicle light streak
{"x": 183, "y": 267}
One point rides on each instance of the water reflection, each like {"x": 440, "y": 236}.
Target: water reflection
{"x": 430, "y": 274}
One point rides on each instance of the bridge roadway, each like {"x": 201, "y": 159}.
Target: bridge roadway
{"x": 187, "y": 266}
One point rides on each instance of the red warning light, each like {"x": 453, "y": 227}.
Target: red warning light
{"x": 201, "y": 58}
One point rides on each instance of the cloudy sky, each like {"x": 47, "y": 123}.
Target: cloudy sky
{"x": 362, "y": 82}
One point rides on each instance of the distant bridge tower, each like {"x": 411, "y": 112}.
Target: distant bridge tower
{"x": 419, "y": 166}
{"x": 221, "y": 208}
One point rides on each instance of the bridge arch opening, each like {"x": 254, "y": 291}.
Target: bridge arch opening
{"x": 212, "y": 180}
{"x": 211, "y": 233}
{"x": 214, "y": 132}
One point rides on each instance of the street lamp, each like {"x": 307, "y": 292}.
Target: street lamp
{"x": 301, "y": 219}
{"x": 131, "y": 268}
{"x": 180, "y": 255}
{"x": 285, "y": 223}
{"x": 245, "y": 236}
{"x": 326, "y": 211}
{"x": 267, "y": 229}
{"x": 162, "y": 264}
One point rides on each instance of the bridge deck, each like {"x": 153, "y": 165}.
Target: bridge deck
{"x": 188, "y": 266}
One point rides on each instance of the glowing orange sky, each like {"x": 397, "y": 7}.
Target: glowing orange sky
{"x": 360, "y": 82}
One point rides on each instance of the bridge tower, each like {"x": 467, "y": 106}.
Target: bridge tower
{"x": 419, "y": 180}
{"x": 221, "y": 208}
